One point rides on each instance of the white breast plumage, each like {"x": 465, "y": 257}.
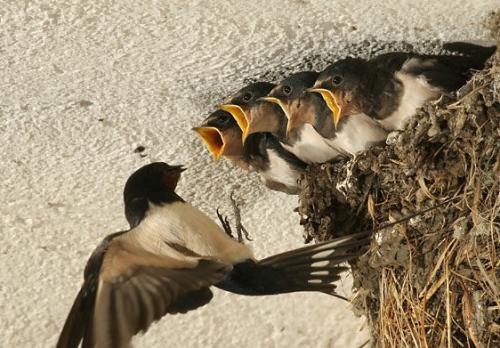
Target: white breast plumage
{"x": 280, "y": 170}
{"x": 312, "y": 147}
{"x": 416, "y": 91}
{"x": 183, "y": 224}
{"x": 358, "y": 133}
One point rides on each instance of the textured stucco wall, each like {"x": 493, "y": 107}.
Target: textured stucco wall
{"x": 82, "y": 84}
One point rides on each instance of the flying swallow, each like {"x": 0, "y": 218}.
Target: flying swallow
{"x": 171, "y": 256}
{"x": 392, "y": 86}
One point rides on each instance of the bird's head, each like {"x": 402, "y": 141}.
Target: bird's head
{"x": 244, "y": 104}
{"x": 339, "y": 85}
{"x": 221, "y": 134}
{"x": 292, "y": 97}
{"x": 153, "y": 183}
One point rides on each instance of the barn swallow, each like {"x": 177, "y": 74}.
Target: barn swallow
{"x": 171, "y": 256}
{"x": 392, "y": 86}
{"x": 262, "y": 153}
{"x": 263, "y": 125}
{"x": 256, "y": 115}
{"x": 306, "y": 109}
{"x": 222, "y": 136}
{"x": 302, "y": 138}
{"x": 240, "y": 103}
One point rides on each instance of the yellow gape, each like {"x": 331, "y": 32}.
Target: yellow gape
{"x": 331, "y": 102}
{"x": 240, "y": 116}
{"x": 213, "y": 139}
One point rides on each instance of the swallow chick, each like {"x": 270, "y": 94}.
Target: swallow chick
{"x": 171, "y": 256}
{"x": 279, "y": 168}
{"x": 241, "y": 103}
{"x": 222, "y": 137}
{"x": 311, "y": 126}
{"x": 391, "y": 87}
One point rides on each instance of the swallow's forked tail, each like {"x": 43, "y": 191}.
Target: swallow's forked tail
{"x": 311, "y": 268}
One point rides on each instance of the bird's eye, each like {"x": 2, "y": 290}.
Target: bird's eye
{"x": 337, "y": 80}
{"x": 247, "y": 96}
{"x": 287, "y": 90}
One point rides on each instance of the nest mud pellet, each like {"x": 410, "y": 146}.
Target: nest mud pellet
{"x": 435, "y": 280}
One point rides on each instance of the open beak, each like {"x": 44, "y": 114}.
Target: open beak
{"x": 239, "y": 115}
{"x": 177, "y": 168}
{"x": 283, "y": 107}
{"x": 172, "y": 175}
{"x": 213, "y": 139}
{"x": 332, "y": 103}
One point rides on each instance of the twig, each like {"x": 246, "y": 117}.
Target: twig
{"x": 411, "y": 216}
{"x": 455, "y": 104}
{"x": 448, "y": 307}
{"x": 364, "y": 344}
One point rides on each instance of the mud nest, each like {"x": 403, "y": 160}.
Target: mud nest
{"x": 435, "y": 280}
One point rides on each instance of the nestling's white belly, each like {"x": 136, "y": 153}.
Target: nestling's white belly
{"x": 280, "y": 170}
{"x": 312, "y": 147}
{"x": 358, "y": 133}
{"x": 416, "y": 91}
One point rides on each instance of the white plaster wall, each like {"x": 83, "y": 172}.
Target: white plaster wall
{"x": 83, "y": 83}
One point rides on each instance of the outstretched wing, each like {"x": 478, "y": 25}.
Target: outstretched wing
{"x": 132, "y": 289}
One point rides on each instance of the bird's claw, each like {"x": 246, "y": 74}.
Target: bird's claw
{"x": 241, "y": 231}
{"x": 225, "y": 223}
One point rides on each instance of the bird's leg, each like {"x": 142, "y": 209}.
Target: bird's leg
{"x": 225, "y": 224}
{"x": 241, "y": 231}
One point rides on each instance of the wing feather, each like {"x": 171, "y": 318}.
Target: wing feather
{"x": 135, "y": 288}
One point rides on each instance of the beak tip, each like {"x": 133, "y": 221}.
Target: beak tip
{"x": 179, "y": 168}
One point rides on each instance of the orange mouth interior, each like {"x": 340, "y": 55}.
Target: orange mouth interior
{"x": 213, "y": 139}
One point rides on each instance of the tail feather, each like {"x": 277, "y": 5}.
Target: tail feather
{"x": 317, "y": 267}
{"x": 281, "y": 273}
{"x": 312, "y": 268}
{"x": 338, "y": 246}
{"x": 316, "y": 262}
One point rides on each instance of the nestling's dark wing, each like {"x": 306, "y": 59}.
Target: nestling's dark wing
{"x": 390, "y": 62}
{"x": 448, "y": 72}
{"x": 132, "y": 289}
